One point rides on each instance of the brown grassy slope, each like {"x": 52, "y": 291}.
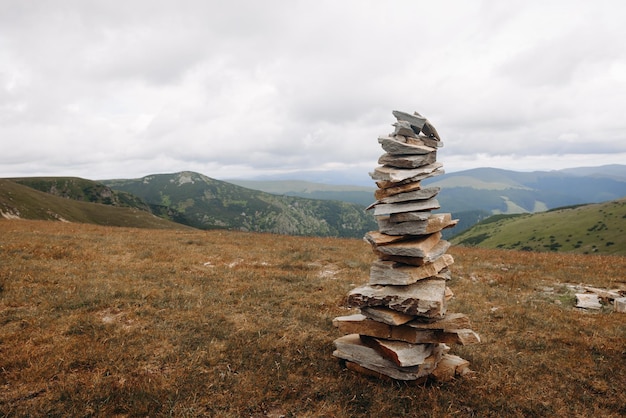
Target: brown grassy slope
{"x": 105, "y": 321}
{"x": 18, "y": 200}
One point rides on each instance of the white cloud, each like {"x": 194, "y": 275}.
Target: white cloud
{"x": 98, "y": 89}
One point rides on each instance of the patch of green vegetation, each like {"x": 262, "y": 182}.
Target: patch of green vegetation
{"x": 586, "y": 229}
{"x": 567, "y": 207}
{"x": 499, "y": 217}
{"x": 474, "y": 240}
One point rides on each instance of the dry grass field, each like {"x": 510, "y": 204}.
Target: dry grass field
{"x": 103, "y": 321}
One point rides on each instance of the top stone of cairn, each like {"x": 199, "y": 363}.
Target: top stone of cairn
{"x": 418, "y": 124}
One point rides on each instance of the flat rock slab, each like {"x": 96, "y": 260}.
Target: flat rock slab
{"x": 605, "y": 294}
{"x": 407, "y": 161}
{"x": 393, "y": 174}
{"x": 620, "y": 305}
{"x": 450, "y": 366}
{"x": 386, "y": 315}
{"x": 383, "y": 184}
{"x": 434, "y": 223}
{"x": 390, "y": 317}
{"x": 431, "y": 255}
{"x": 408, "y": 216}
{"x": 423, "y": 298}
{"x": 418, "y": 247}
{"x": 405, "y": 216}
{"x": 403, "y": 128}
{"x": 449, "y": 293}
{"x": 416, "y": 121}
{"x": 428, "y": 141}
{"x": 455, "y": 336}
{"x": 393, "y": 146}
{"x": 360, "y": 324}
{"x": 415, "y": 195}
{"x": 452, "y": 321}
{"x": 351, "y": 348}
{"x": 376, "y": 238}
{"x": 357, "y": 368}
{"x": 402, "y": 188}
{"x": 429, "y": 130}
{"x": 393, "y": 273}
{"x": 401, "y": 353}
{"x": 588, "y": 301}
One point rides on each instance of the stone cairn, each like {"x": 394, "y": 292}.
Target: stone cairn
{"x": 403, "y": 330}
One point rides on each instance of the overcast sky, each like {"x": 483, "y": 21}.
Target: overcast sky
{"x": 238, "y": 89}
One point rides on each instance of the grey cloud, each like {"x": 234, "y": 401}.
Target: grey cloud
{"x": 273, "y": 86}
{"x": 556, "y": 62}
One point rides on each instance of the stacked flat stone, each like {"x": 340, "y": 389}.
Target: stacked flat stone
{"x": 403, "y": 330}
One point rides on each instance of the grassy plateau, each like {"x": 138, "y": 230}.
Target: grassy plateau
{"x": 115, "y": 321}
{"x": 594, "y": 228}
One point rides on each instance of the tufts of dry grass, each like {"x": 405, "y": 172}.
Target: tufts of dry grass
{"x": 99, "y": 321}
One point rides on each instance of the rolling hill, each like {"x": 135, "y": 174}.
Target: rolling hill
{"x": 207, "y": 203}
{"x": 490, "y": 190}
{"x": 21, "y": 201}
{"x": 615, "y": 171}
{"x": 592, "y": 228}
{"x": 309, "y": 208}
{"x": 475, "y": 195}
{"x": 76, "y": 188}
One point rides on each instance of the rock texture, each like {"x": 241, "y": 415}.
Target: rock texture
{"x": 403, "y": 329}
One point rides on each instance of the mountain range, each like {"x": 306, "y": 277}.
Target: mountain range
{"x": 505, "y": 191}
{"x": 208, "y": 203}
{"x": 309, "y": 208}
{"x": 476, "y": 194}
{"x": 190, "y": 199}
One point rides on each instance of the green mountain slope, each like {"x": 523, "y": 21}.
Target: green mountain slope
{"x": 21, "y": 201}
{"x": 82, "y": 189}
{"x": 472, "y": 195}
{"x": 208, "y": 204}
{"x": 593, "y": 228}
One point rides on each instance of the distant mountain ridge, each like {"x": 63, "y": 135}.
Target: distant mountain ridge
{"x": 615, "y": 171}
{"x": 309, "y": 208}
{"x": 187, "y": 198}
{"x": 505, "y": 191}
{"x": 208, "y": 203}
